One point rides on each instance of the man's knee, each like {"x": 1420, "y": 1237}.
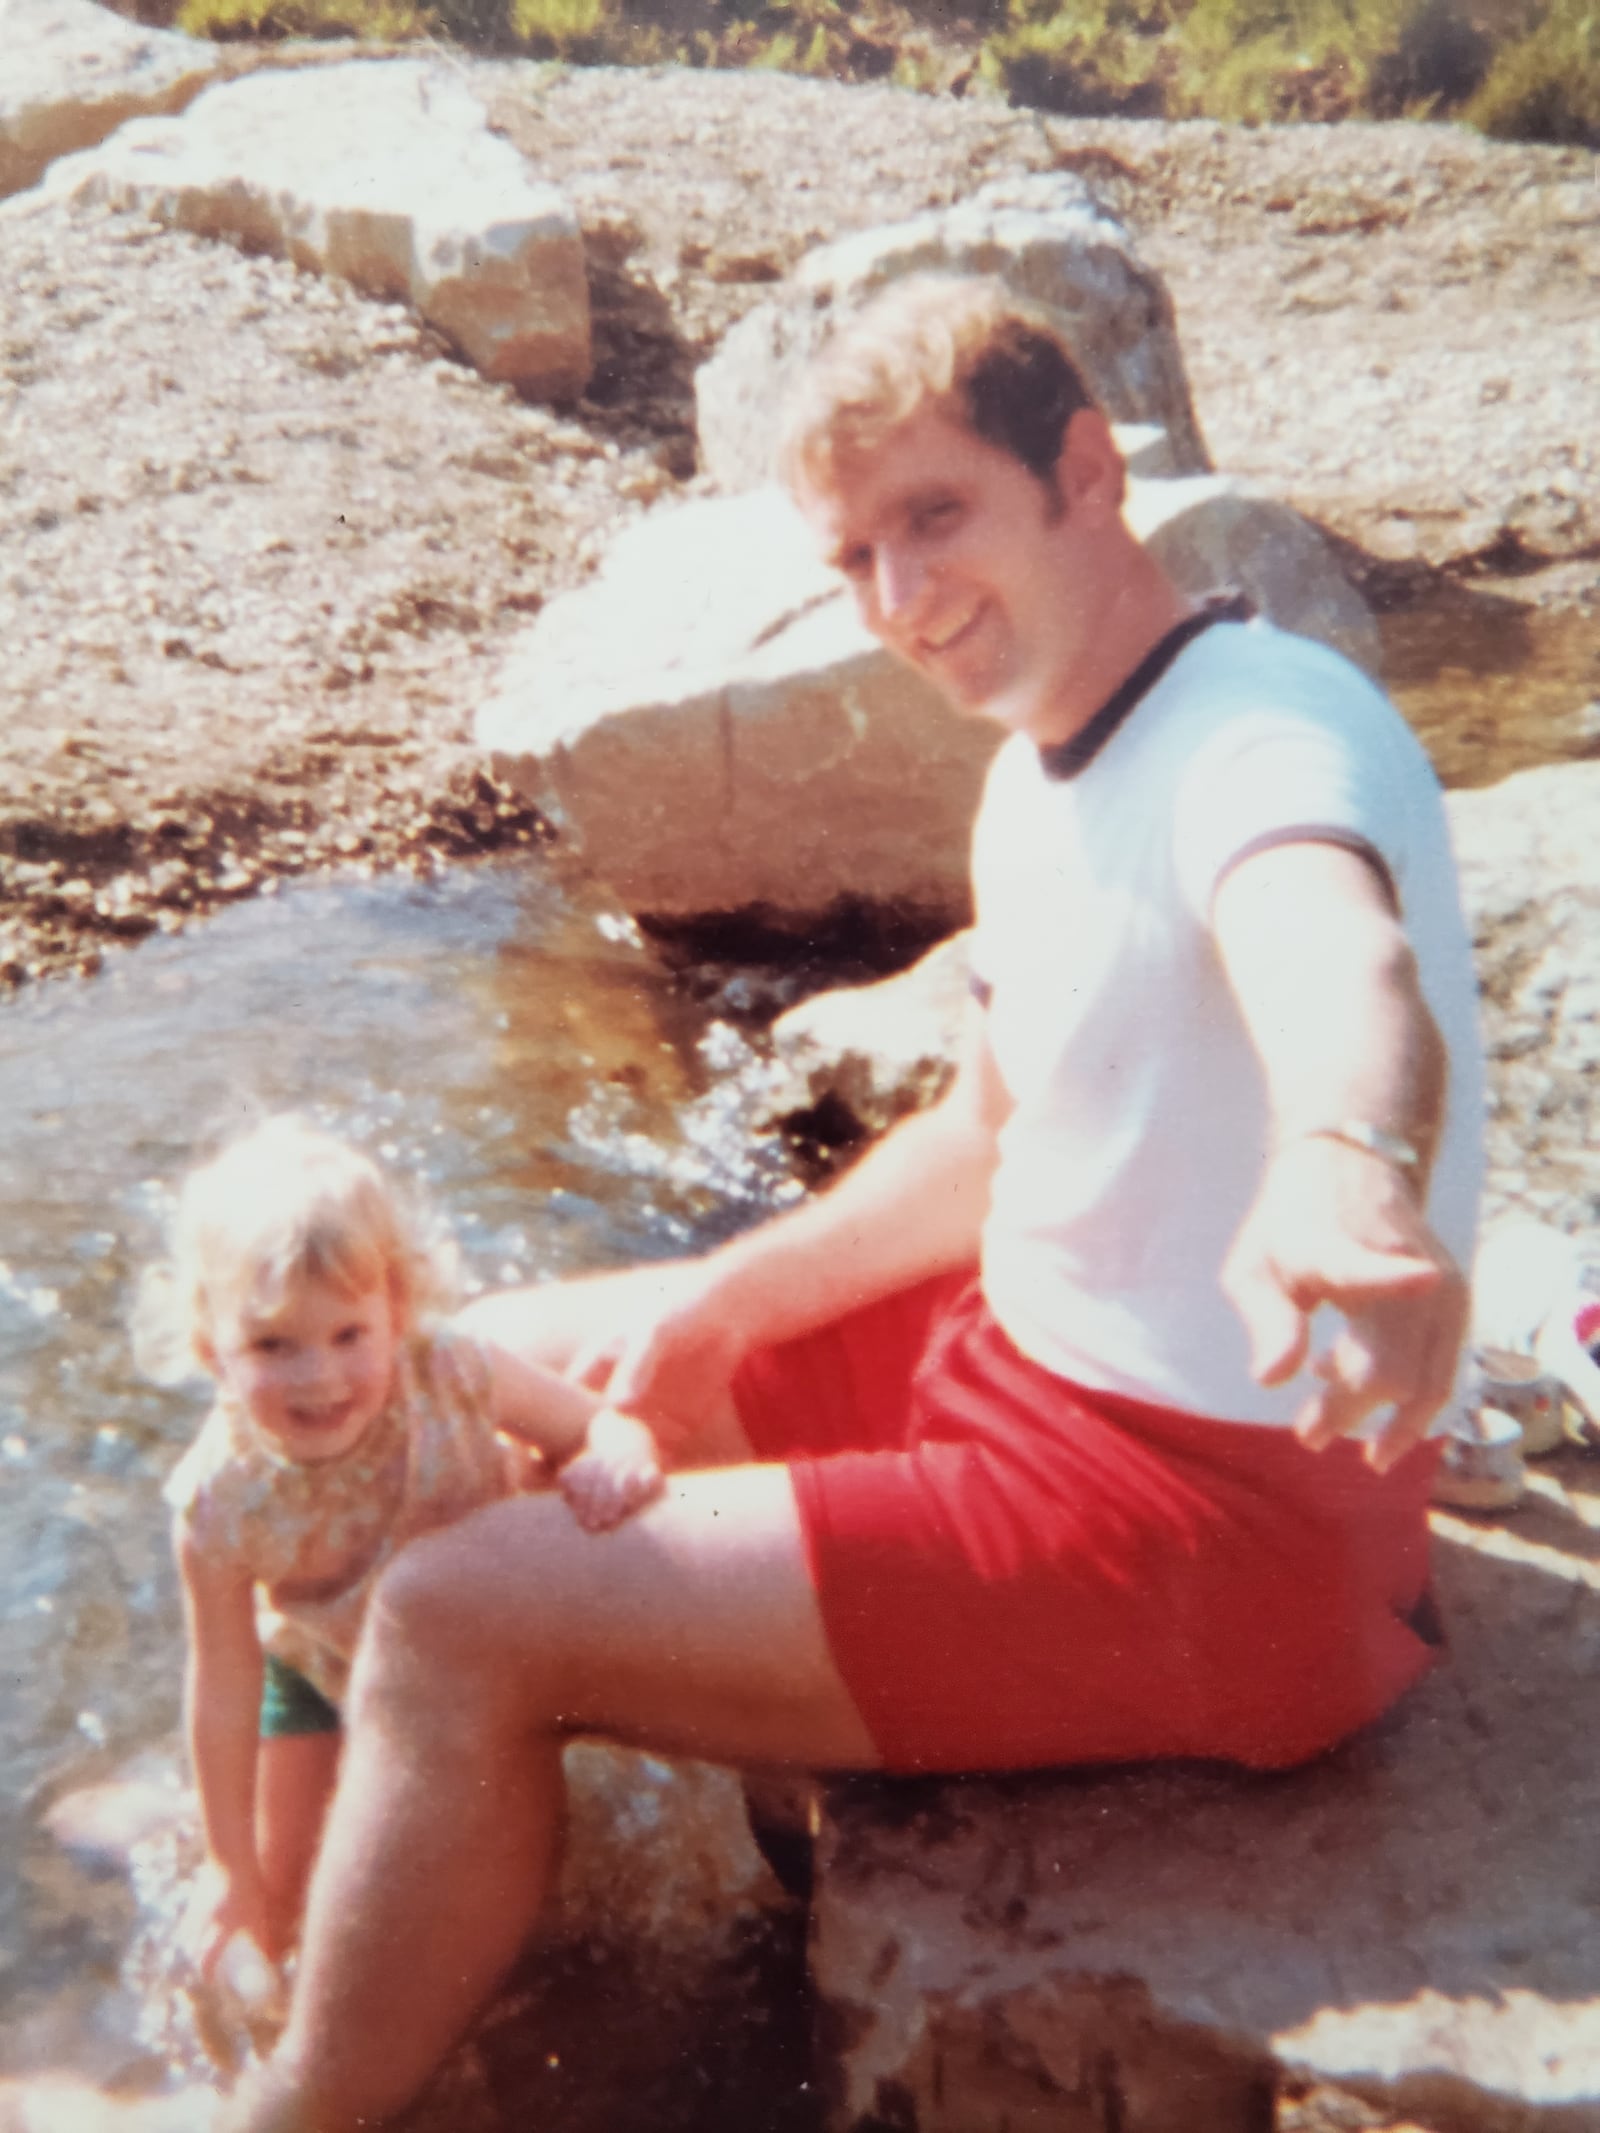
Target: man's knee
{"x": 437, "y": 1623}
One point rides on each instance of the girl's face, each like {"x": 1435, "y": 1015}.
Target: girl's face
{"x": 315, "y": 1370}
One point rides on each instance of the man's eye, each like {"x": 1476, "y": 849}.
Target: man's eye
{"x": 268, "y": 1344}
{"x": 939, "y": 516}
{"x": 349, "y": 1336}
{"x": 856, "y": 564}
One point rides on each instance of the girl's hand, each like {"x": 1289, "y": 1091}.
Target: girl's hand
{"x": 222, "y": 1905}
{"x": 617, "y": 1472}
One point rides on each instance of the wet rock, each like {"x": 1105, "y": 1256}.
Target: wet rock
{"x": 713, "y": 729}
{"x": 1045, "y": 235}
{"x": 384, "y": 174}
{"x": 74, "y": 72}
{"x": 876, "y": 1051}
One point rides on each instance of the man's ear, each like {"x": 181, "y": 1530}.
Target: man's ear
{"x": 1090, "y": 474}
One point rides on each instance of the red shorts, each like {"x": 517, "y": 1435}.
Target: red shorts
{"x": 1014, "y": 1571}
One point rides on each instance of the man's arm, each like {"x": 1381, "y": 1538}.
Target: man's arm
{"x": 913, "y": 1206}
{"x": 1327, "y": 983}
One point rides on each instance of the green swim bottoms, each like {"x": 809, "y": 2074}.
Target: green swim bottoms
{"x": 289, "y": 1704}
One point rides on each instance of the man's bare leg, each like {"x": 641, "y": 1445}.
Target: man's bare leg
{"x": 692, "y": 1627}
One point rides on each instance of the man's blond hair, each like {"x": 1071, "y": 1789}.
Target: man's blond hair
{"x": 964, "y": 347}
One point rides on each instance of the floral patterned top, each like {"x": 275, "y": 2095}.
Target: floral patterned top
{"x": 315, "y": 1537}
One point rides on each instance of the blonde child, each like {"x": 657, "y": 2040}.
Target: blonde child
{"x": 351, "y": 1416}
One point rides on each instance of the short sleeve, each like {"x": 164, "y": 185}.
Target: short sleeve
{"x": 1281, "y": 778}
{"x": 197, "y": 1493}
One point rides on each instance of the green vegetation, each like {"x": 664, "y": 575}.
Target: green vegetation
{"x": 1546, "y": 85}
{"x": 1519, "y": 69}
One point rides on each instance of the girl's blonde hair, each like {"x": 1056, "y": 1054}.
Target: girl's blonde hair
{"x": 281, "y": 1205}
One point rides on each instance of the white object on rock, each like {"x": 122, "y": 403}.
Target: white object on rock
{"x": 712, "y": 728}
{"x": 383, "y": 173}
{"x": 1045, "y": 235}
{"x": 70, "y": 73}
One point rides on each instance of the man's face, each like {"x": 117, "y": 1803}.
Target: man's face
{"x": 968, "y": 567}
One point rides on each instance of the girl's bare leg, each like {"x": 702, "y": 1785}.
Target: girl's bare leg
{"x": 691, "y": 1627}
{"x": 295, "y": 1775}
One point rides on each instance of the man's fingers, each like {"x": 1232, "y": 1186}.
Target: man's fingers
{"x": 1276, "y": 1328}
{"x": 1355, "y": 1276}
{"x": 1401, "y": 1434}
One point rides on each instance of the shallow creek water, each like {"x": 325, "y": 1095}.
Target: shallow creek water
{"x": 528, "y": 1059}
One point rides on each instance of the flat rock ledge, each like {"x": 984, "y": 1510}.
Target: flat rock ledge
{"x": 1412, "y": 1920}
{"x": 385, "y": 174}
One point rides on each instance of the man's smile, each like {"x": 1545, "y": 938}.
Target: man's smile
{"x": 953, "y": 635}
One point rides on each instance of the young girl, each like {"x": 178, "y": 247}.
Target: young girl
{"x": 350, "y": 1417}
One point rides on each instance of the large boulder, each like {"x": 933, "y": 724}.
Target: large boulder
{"x": 1046, "y": 236}
{"x": 712, "y": 729}
{"x": 384, "y": 173}
{"x": 73, "y": 73}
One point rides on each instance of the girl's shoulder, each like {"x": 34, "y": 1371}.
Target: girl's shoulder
{"x": 454, "y": 1444}
{"x": 451, "y": 1373}
{"x": 221, "y": 1487}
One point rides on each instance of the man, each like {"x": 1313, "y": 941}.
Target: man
{"x": 1092, "y": 1504}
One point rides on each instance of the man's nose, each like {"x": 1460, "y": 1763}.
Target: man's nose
{"x": 900, "y": 579}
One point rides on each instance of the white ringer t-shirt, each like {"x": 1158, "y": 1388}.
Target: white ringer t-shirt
{"x": 1140, "y": 1128}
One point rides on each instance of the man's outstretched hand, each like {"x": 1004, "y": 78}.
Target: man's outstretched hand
{"x": 1337, "y": 1225}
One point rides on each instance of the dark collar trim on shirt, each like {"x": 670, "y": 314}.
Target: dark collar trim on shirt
{"x": 1065, "y": 759}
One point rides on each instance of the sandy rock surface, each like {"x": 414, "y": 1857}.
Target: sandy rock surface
{"x": 262, "y": 542}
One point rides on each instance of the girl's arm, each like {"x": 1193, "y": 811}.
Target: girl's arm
{"x": 223, "y": 1712}
{"x": 608, "y": 1461}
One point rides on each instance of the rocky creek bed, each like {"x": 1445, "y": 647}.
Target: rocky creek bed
{"x": 263, "y": 541}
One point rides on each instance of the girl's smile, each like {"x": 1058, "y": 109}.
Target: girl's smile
{"x": 314, "y": 1371}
